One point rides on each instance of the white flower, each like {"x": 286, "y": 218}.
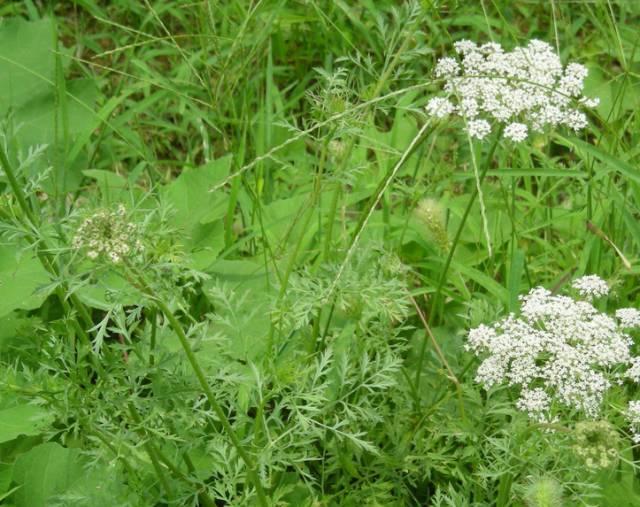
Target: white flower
{"x": 524, "y": 88}
{"x": 591, "y": 286}
{"x": 516, "y": 132}
{"x": 633, "y": 417}
{"x": 628, "y": 317}
{"x": 447, "y": 67}
{"x": 465, "y": 46}
{"x": 439, "y": 107}
{"x": 633, "y": 372}
{"x": 575, "y": 120}
{"x": 478, "y": 128}
{"x": 558, "y": 350}
{"x": 590, "y": 102}
{"x": 535, "y": 402}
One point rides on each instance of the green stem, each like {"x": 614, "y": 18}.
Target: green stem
{"x": 439, "y": 353}
{"x": 109, "y": 445}
{"x": 456, "y": 239}
{"x": 42, "y": 252}
{"x": 204, "y": 499}
{"x": 152, "y": 452}
{"x": 332, "y": 218}
{"x": 193, "y": 361}
{"x": 152, "y": 341}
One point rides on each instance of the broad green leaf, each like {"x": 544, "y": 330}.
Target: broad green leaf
{"x": 26, "y": 61}
{"x": 207, "y": 241}
{"x": 43, "y": 472}
{"x": 5, "y": 479}
{"x": 111, "y": 185}
{"x": 101, "y": 294}
{"x": 246, "y": 311}
{"x": 99, "y": 485}
{"x": 38, "y": 116}
{"x": 198, "y": 212}
{"x": 21, "y": 274}
{"x": 22, "y": 420}
{"x": 28, "y": 91}
{"x": 596, "y": 84}
{"x": 281, "y": 220}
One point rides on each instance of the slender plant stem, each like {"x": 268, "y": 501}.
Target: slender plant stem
{"x": 42, "y": 252}
{"x": 456, "y": 239}
{"x": 443, "y": 360}
{"x": 204, "y": 499}
{"x": 152, "y": 341}
{"x": 195, "y": 365}
{"x": 333, "y": 208}
{"x": 152, "y": 452}
{"x": 422, "y": 134}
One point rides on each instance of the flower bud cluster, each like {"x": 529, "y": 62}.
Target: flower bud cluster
{"x": 108, "y": 234}
{"x": 526, "y": 89}
{"x": 559, "y": 351}
{"x": 596, "y": 443}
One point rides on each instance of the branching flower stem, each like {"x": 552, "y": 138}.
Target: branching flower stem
{"x": 204, "y": 384}
{"x": 197, "y": 369}
{"x": 62, "y": 292}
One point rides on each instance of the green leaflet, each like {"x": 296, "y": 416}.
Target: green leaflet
{"x": 41, "y": 114}
{"x": 197, "y": 211}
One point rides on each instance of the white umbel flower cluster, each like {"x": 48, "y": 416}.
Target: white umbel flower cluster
{"x": 526, "y": 89}
{"x": 560, "y": 352}
{"x": 633, "y": 417}
{"x": 108, "y": 234}
{"x": 591, "y": 287}
{"x": 628, "y": 317}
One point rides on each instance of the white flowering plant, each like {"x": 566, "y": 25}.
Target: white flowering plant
{"x": 238, "y": 267}
{"x": 524, "y": 90}
{"x": 560, "y": 353}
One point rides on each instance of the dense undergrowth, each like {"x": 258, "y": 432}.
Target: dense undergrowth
{"x": 241, "y": 254}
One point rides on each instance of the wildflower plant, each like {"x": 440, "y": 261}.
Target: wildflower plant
{"x": 561, "y": 353}
{"x": 263, "y": 308}
{"x": 524, "y": 90}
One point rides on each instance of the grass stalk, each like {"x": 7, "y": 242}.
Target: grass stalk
{"x": 463, "y": 221}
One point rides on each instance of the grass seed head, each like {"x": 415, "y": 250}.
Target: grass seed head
{"x": 544, "y": 492}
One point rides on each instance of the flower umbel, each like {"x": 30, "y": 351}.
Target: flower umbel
{"x": 559, "y": 351}
{"x": 526, "y": 89}
{"x": 591, "y": 287}
{"x": 596, "y": 443}
{"x": 108, "y": 234}
{"x": 633, "y": 417}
